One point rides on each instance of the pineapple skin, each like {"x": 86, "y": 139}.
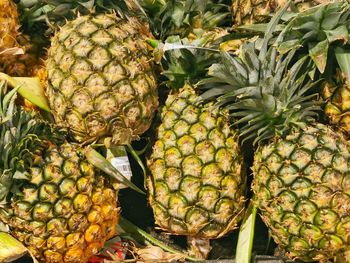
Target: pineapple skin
{"x": 302, "y": 188}
{"x": 9, "y": 24}
{"x": 27, "y": 64}
{"x": 337, "y": 96}
{"x": 101, "y": 79}
{"x": 21, "y": 65}
{"x": 67, "y": 210}
{"x": 197, "y": 182}
{"x": 246, "y": 12}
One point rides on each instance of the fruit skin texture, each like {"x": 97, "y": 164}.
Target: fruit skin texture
{"x": 302, "y": 188}
{"x": 100, "y": 78}
{"x": 12, "y": 59}
{"x": 337, "y": 107}
{"x": 197, "y": 182}
{"x": 246, "y": 12}
{"x": 9, "y": 24}
{"x": 67, "y": 210}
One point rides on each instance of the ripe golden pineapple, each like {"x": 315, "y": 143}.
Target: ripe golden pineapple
{"x": 23, "y": 65}
{"x": 197, "y": 181}
{"x": 246, "y": 12}
{"x": 9, "y": 24}
{"x": 13, "y": 44}
{"x": 53, "y": 200}
{"x": 101, "y": 81}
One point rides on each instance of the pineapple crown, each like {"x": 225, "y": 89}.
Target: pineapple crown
{"x": 185, "y": 61}
{"x": 187, "y": 28}
{"x": 23, "y": 135}
{"x": 42, "y": 17}
{"x": 314, "y": 31}
{"x": 318, "y": 30}
{"x": 186, "y": 17}
{"x": 267, "y": 93}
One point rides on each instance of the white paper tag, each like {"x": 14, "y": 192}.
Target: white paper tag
{"x": 123, "y": 165}
{"x": 118, "y": 157}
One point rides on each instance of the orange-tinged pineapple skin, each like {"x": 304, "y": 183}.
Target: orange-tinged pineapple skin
{"x": 246, "y": 12}
{"x": 9, "y": 24}
{"x": 53, "y": 217}
{"x": 337, "y": 95}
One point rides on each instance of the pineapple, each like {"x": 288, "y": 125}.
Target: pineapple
{"x": 197, "y": 181}
{"x": 9, "y": 24}
{"x": 246, "y": 12}
{"x": 53, "y": 200}
{"x": 300, "y": 167}
{"x": 13, "y": 44}
{"x": 101, "y": 80}
{"x": 197, "y": 178}
{"x": 301, "y": 189}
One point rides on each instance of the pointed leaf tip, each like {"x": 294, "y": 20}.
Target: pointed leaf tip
{"x": 29, "y": 88}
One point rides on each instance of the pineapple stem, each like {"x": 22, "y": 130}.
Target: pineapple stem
{"x": 129, "y": 227}
{"x": 198, "y": 247}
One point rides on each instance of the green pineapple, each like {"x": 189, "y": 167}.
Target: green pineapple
{"x": 300, "y": 166}
{"x": 197, "y": 181}
{"x": 197, "y": 178}
{"x": 101, "y": 80}
{"x": 53, "y": 200}
{"x": 301, "y": 189}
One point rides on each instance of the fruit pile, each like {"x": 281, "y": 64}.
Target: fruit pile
{"x": 225, "y": 113}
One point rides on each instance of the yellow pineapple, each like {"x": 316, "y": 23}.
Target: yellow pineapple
{"x": 52, "y": 199}
{"x": 19, "y": 56}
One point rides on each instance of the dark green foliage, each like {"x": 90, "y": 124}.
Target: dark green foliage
{"x": 43, "y": 16}
{"x": 266, "y": 94}
{"x": 171, "y": 17}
